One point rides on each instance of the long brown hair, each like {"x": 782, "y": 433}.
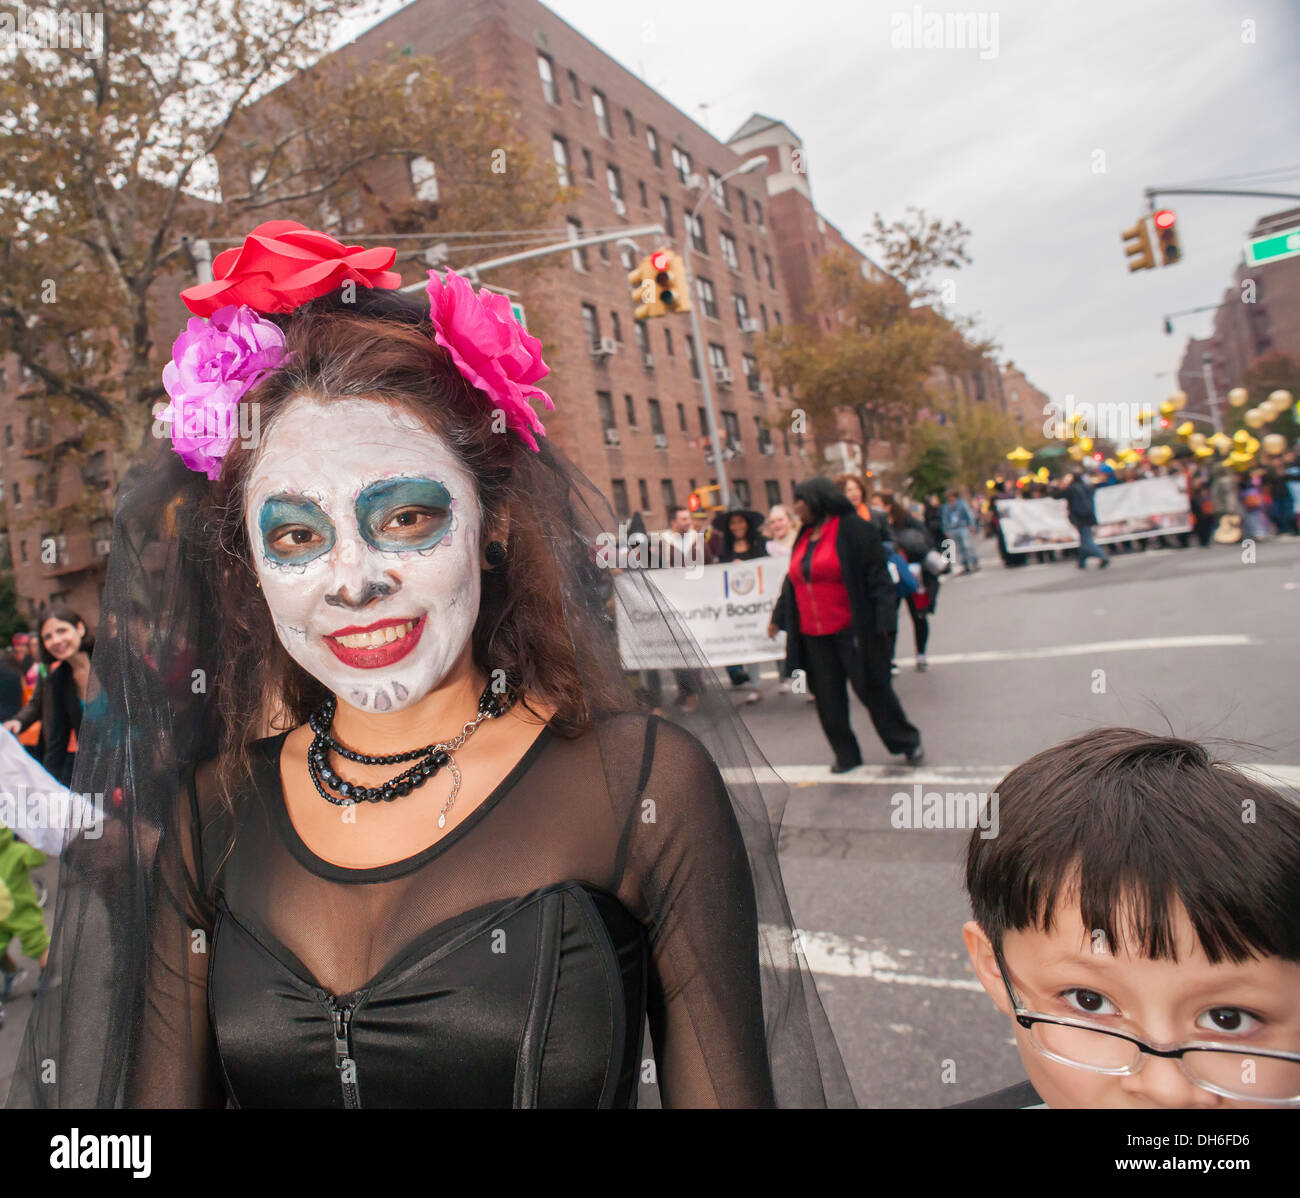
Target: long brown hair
{"x": 387, "y": 354}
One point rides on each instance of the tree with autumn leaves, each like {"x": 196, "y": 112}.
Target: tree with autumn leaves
{"x": 878, "y": 354}
{"x": 199, "y": 121}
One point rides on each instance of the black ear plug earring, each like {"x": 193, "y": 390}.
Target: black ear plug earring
{"x": 495, "y": 554}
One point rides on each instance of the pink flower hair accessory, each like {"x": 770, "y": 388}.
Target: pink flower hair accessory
{"x": 215, "y": 362}
{"x": 493, "y": 351}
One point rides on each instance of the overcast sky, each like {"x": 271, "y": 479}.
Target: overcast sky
{"x": 1170, "y": 91}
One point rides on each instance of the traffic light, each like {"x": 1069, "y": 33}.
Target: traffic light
{"x": 1166, "y": 224}
{"x": 645, "y": 293}
{"x": 674, "y": 288}
{"x": 1137, "y": 245}
{"x": 699, "y": 501}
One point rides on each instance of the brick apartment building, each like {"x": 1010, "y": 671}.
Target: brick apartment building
{"x": 1259, "y": 314}
{"x": 1024, "y": 402}
{"x": 629, "y": 401}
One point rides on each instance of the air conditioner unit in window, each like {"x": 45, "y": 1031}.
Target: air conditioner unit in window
{"x": 693, "y": 181}
{"x": 769, "y": 449}
{"x": 722, "y": 376}
{"x": 611, "y": 436}
{"x": 648, "y": 360}
{"x": 102, "y": 547}
{"x": 619, "y": 207}
{"x": 749, "y": 325}
{"x": 604, "y": 348}
{"x": 661, "y": 440}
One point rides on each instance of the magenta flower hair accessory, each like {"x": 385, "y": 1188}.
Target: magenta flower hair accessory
{"x": 491, "y": 349}
{"x": 215, "y": 362}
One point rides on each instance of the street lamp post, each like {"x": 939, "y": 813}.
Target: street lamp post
{"x": 702, "y": 358}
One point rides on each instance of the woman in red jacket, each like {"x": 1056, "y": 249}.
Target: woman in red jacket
{"x": 839, "y": 609}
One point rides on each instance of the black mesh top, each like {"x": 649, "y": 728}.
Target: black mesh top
{"x": 511, "y": 963}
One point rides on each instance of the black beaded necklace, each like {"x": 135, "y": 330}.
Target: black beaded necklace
{"x": 428, "y": 760}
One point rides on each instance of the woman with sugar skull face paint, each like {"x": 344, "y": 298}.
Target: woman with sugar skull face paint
{"x": 399, "y": 791}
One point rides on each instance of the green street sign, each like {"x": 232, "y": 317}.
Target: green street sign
{"x": 1273, "y": 248}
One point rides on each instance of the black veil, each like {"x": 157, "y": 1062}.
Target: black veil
{"x": 126, "y": 902}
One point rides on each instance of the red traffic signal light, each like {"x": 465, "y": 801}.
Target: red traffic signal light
{"x": 1164, "y": 421}
{"x": 693, "y": 502}
{"x": 1166, "y": 224}
{"x": 660, "y": 260}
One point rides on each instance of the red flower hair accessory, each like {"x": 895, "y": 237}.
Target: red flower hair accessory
{"x": 283, "y": 264}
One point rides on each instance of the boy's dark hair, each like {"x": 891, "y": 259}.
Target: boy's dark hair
{"x": 1141, "y": 822}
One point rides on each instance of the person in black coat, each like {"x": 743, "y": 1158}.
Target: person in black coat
{"x": 838, "y": 607}
{"x": 913, "y": 541}
{"x": 59, "y": 698}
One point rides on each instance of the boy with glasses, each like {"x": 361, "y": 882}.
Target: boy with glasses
{"x": 1138, "y": 919}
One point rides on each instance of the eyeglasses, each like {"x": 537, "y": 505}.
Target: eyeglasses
{"x": 1258, "y": 1075}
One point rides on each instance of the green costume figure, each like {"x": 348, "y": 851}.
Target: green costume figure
{"x": 20, "y": 910}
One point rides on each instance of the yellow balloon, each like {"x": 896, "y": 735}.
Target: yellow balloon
{"x": 1145, "y": 416}
{"x": 1085, "y": 444}
{"x": 1251, "y": 446}
{"x": 1179, "y": 400}
{"x": 1222, "y": 442}
{"x": 1275, "y": 443}
{"x": 1075, "y": 452}
{"x": 1240, "y": 437}
{"x": 1159, "y": 454}
{"x": 1238, "y": 460}
{"x": 1168, "y": 408}
{"x": 1076, "y": 418}
{"x": 1283, "y": 399}
{"x": 1019, "y": 455}
{"x": 988, "y": 482}
{"x": 1203, "y": 451}
{"x": 1254, "y": 418}
{"x": 1043, "y": 474}
{"x": 1238, "y": 397}
{"x": 1197, "y": 440}
{"x": 1186, "y": 429}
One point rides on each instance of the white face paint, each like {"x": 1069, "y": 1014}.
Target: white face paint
{"x": 365, "y": 534}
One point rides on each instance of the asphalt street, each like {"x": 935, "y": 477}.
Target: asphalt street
{"x": 1194, "y": 640}
{"x": 1199, "y": 641}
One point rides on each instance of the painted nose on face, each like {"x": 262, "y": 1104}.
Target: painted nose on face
{"x": 359, "y": 575}
{"x": 365, "y": 594}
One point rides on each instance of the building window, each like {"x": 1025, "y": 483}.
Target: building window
{"x": 666, "y": 215}
{"x": 591, "y": 325}
{"x": 668, "y": 493}
{"x": 631, "y": 411}
{"x": 692, "y": 356}
{"x": 18, "y": 499}
{"x": 641, "y": 193}
{"x": 729, "y": 251}
{"x": 652, "y": 140}
{"x": 681, "y": 417}
{"x": 719, "y": 189}
{"x": 9, "y": 436}
{"x": 642, "y": 336}
{"x": 704, "y": 425}
{"x": 546, "y": 69}
{"x": 602, "y": 113}
{"x": 744, "y": 207}
{"x": 742, "y": 310}
{"x": 604, "y": 251}
{"x": 717, "y": 357}
{"x": 616, "y": 326}
{"x": 605, "y": 404}
{"x": 656, "y": 417}
{"x": 762, "y": 434}
{"x": 619, "y": 488}
{"x": 560, "y": 148}
{"x": 758, "y": 216}
{"x": 614, "y": 180}
{"x": 776, "y": 315}
{"x": 631, "y": 122}
{"x": 574, "y": 88}
{"x": 771, "y": 274}
{"x": 762, "y": 315}
{"x": 695, "y": 226}
{"x": 424, "y": 180}
{"x": 731, "y": 426}
{"x": 644, "y": 493}
{"x": 751, "y": 371}
{"x": 773, "y": 492}
{"x": 22, "y": 550}
{"x": 704, "y": 287}
{"x": 668, "y": 341}
{"x": 625, "y": 257}
{"x": 681, "y": 163}
{"x": 753, "y": 262}
{"x": 580, "y": 254}
{"x": 588, "y": 165}
{"x": 785, "y": 439}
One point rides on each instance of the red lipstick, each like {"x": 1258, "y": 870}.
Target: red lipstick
{"x": 380, "y": 655}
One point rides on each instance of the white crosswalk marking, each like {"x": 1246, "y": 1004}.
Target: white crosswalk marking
{"x": 828, "y": 954}
{"x": 957, "y": 777}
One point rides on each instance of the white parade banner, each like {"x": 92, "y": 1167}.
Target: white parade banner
{"x": 1148, "y": 507}
{"x": 726, "y": 608}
